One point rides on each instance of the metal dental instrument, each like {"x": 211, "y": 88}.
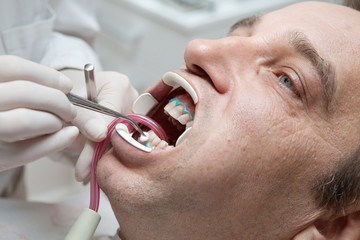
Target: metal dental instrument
{"x": 91, "y": 103}
{"x": 90, "y": 82}
{"x": 84, "y": 103}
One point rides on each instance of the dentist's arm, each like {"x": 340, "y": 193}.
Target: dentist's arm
{"x": 33, "y": 112}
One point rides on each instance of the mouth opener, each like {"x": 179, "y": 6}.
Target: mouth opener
{"x": 91, "y": 103}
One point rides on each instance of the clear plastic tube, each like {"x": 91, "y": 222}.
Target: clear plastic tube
{"x": 101, "y": 147}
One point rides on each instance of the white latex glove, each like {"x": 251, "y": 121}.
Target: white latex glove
{"x": 115, "y": 92}
{"x": 33, "y": 109}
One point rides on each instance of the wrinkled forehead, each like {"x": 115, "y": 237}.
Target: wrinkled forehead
{"x": 318, "y": 21}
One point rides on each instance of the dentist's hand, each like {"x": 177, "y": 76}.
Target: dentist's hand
{"x": 113, "y": 91}
{"x": 33, "y": 112}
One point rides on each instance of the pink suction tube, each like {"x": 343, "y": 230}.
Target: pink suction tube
{"x": 101, "y": 147}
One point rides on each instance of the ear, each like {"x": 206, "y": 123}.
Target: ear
{"x": 344, "y": 227}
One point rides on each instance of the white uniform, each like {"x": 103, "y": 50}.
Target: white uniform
{"x": 55, "y": 33}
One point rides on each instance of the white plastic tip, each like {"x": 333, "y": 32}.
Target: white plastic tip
{"x": 183, "y": 136}
{"x": 85, "y": 226}
{"x": 123, "y": 131}
{"x": 144, "y": 103}
{"x": 174, "y": 80}
{"x": 144, "y": 137}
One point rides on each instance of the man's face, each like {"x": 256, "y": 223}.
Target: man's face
{"x": 278, "y": 107}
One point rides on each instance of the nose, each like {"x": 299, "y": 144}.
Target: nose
{"x": 220, "y": 60}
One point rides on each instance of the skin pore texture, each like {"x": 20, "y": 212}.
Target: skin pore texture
{"x": 272, "y": 118}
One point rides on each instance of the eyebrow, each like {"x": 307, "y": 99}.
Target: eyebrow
{"x": 247, "y": 22}
{"x": 303, "y": 46}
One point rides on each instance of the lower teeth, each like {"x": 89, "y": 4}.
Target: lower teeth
{"x": 154, "y": 141}
{"x": 148, "y": 143}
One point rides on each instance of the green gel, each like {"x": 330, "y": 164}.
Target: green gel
{"x": 181, "y": 103}
{"x": 148, "y": 145}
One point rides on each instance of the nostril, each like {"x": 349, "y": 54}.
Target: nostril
{"x": 194, "y": 68}
{"x": 214, "y": 75}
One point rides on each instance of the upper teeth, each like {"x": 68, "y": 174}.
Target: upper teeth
{"x": 177, "y": 112}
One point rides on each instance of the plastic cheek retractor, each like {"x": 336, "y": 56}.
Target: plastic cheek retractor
{"x": 123, "y": 131}
{"x": 144, "y": 103}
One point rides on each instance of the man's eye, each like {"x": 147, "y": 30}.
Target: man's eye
{"x": 286, "y": 81}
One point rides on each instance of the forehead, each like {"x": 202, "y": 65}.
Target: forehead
{"x": 331, "y": 28}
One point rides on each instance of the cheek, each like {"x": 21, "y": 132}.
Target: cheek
{"x": 209, "y": 182}
{"x": 229, "y": 154}
{"x": 267, "y": 142}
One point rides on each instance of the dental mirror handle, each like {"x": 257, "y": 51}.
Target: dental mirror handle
{"x": 90, "y": 82}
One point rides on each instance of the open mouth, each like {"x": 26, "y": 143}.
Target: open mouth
{"x": 171, "y": 108}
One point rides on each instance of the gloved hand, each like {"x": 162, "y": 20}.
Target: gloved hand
{"x": 33, "y": 110}
{"x": 115, "y": 92}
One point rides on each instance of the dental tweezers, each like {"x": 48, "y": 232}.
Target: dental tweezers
{"x": 84, "y": 103}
